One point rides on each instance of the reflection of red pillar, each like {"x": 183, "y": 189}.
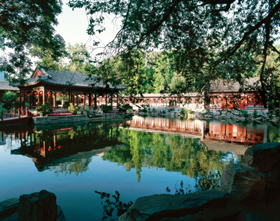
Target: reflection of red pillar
{"x": 230, "y": 130}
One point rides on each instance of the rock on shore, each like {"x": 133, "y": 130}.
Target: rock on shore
{"x": 249, "y": 191}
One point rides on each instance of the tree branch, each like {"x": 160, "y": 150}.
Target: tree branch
{"x": 274, "y": 49}
{"x": 232, "y": 50}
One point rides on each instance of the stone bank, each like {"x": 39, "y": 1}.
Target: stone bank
{"x": 249, "y": 192}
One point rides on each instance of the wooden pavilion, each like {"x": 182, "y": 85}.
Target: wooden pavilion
{"x": 46, "y": 86}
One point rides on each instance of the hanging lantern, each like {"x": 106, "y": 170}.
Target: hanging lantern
{"x": 102, "y": 95}
{"x": 30, "y": 93}
{"x": 35, "y": 93}
{"x": 49, "y": 93}
{"x": 41, "y": 93}
{"x": 73, "y": 94}
{"x": 59, "y": 94}
{"x": 26, "y": 94}
{"x": 65, "y": 95}
{"x": 21, "y": 93}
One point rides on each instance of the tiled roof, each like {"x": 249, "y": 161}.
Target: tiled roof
{"x": 4, "y": 85}
{"x": 232, "y": 85}
{"x": 68, "y": 78}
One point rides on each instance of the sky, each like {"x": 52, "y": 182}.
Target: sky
{"x": 73, "y": 24}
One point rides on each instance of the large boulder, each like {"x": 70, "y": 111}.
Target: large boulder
{"x": 39, "y": 206}
{"x": 157, "y": 207}
{"x": 244, "y": 183}
{"x": 264, "y": 157}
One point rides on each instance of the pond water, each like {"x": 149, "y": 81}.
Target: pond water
{"x": 83, "y": 163}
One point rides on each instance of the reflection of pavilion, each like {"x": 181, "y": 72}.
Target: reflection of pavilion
{"x": 249, "y": 134}
{"x": 238, "y": 133}
{"x": 173, "y": 125}
{"x": 53, "y": 147}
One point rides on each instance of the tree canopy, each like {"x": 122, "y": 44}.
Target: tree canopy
{"x": 204, "y": 35}
{"x": 28, "y": 24}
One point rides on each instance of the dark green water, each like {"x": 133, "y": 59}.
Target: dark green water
{"x": 74, "y": 161}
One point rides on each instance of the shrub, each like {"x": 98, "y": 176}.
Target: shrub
{"x": 45, "y": 109}
{"x": 183, "y": 111}
{"x": 106, "y": 108}
{"x": 18, "y": 104}
{"x": 126, "y": 107}
{"x": 245, "y": 113}
{"x": 10, "y": 95}
{"x": 8, "y": 105}
{"x": 73, "y": 109}
{"x": 255, "y": 113}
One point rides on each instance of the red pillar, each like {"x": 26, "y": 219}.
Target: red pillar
{"x": 44, "y": 95}
{"x": 54, "y": 99}
{"x": 39, "y": 100}
{"x": 85, "y": 97}
{"x": 89, "y": 100}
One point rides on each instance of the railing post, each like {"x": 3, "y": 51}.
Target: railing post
{"x": 1, "y": 114}
{"x": 26, "y": 110}
{"x": 14, "y": 109}
{"x": 21, "y": 110}
{"x": 18, "y": 112}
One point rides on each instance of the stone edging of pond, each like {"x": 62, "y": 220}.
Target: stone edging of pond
{"x": 249, "y": 191}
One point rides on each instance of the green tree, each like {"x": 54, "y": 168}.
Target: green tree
{"x": 79, "y": 57}
{"x": 203, "y": 34}
{"x": 26, "y": 24}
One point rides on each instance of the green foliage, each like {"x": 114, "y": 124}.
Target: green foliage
{"x": 204, "y": 40}
{"x": 106, "y": 108}
{"x": 245, "y": 113}
{"x": 79, "y": 56}
{"x": 24, "y": 25}
{"x": 255, "y": 113}
{"x": 45, "y": 109}
{"x": 126, "y": 107}
{"x": 8, "y": 105}
{"x": 18, "y": 104}
{"x": 73, "y": 109}
{"x": 174, "y": 153}
{"x": 183, "y": 111}
{"x": 10, "y": 95}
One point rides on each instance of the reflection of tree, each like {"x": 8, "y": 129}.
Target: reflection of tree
{"x": 78, "y": 166}
{"x": 274, "y": 134}
{"x": 174, "y": 153}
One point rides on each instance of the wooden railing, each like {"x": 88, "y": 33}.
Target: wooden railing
{"x": 19, "y": 112}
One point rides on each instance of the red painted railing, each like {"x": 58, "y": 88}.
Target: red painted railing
{"x": 19, "y": 112}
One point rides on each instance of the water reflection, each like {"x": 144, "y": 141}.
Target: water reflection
{"x": 157, "y": 159}
{"x": 249, "y": 134}
{"x": 172, "y": 152}
{"x": 69, "y": 149}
